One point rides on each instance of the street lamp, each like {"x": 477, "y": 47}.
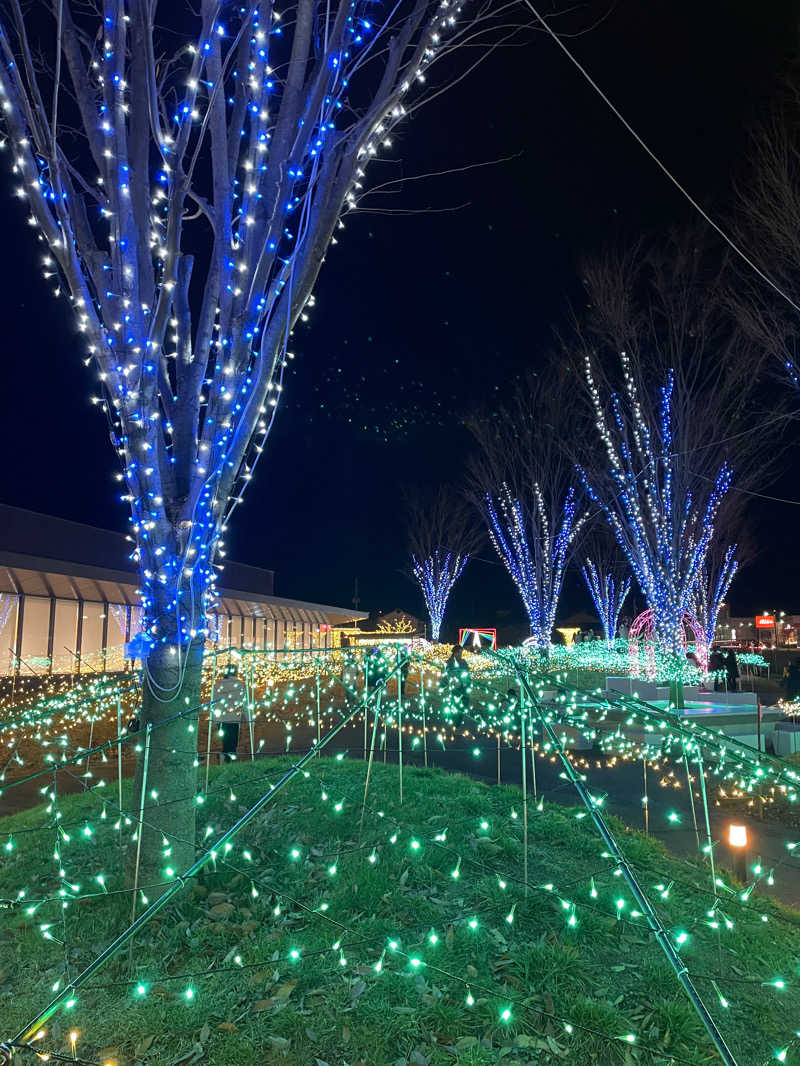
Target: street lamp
{"x": 737, "y": 839}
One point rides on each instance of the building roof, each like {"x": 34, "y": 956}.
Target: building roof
{"x": 48, "y": 539}
{"x": 45, "y": 556}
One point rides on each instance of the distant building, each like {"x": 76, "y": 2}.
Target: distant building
{"x": 382, "y": 627}
{"x": 743, "y": 630}
{"x": 68, "y": 600}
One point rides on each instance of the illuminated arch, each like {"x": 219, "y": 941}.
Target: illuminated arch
{"x": 643, "y": 629}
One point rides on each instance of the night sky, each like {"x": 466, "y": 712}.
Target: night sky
{"x": 421, "y": 316}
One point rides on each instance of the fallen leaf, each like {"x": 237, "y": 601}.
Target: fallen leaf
{"x": 228, "y": 1027}
{"x": 279, "y": 1043}
{"x": 263, "y": 1004}
{"x": 285, "y": 990}
{"x": 143, "y": 1046}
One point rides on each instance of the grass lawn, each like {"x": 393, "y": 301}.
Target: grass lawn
{"x": 319, "y": 941}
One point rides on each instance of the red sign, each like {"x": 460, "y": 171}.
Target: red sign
{"x": 765, "y": 621}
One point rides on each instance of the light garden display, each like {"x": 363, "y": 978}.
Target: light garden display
{"x": 185, "y": 168}
{"x": 311, "y": 895}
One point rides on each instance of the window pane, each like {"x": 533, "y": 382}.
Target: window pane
{"x": 65, "y": 637}
{"x": 8, "y": 631}
{"x": 35, "y": 628}
{"x": 92, "y": 637}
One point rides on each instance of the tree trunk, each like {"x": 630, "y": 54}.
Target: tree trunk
{"x": 171, "y": 686}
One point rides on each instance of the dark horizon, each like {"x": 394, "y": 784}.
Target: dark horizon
{"x": 421, "y": 317}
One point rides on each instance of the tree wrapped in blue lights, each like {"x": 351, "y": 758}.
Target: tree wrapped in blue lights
{"x": 712, "y": 587}
{"x": 528, "y": 501}
{"x": 534, "y": 544}
{"x": 608, "y": 590}
{"x": 186, "y": 167}
{"x": 660, "y": 514}
{"x": 442, "y": 537}
{"x": 436, "y": 574}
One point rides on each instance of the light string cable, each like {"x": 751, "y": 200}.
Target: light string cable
{"x": 279, "y": 892}
{"x": 662, "y": 166}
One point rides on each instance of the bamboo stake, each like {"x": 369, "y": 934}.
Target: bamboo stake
{"x": 119, "y": 763}
{"x": 140, "y": 830}
{"x": 691, "y": 798}
{"x": 424, "y": 724}
{"x": 369, "y": 763}
{"x": 400, "y": 722}
{"x": 210, "y": 719}
{"x": 524, "y": 794}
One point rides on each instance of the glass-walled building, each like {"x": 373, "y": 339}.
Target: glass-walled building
{"x": 65, "y": 610}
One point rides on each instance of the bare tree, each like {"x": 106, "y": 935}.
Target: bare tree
{"x": 442, "y": 537}
{"x": 766, "y": 224}
{"x": 526, "y": 490}
{"x": 185, "y": 198}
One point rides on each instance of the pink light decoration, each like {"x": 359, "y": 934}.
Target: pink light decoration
{"x": 642, "y": 628}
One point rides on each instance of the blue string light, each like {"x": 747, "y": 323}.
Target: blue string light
{"x": 608, "y": 594}
{"x": 663, "y": 531}
{"x": 534, "y": 557}
{"x": 436, "y": 576}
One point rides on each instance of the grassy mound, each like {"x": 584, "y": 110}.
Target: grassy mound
{"x": 406, "y": 941}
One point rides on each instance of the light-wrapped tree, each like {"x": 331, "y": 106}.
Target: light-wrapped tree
{"x": 673, "y": 422}
{"x": 442, "y": 537}
{"x": 528, "y": 500}
{"x": 712, "y": 587}
{"x": 609, "y": 589}
{"x": 661, "y": 514}
{"x": 185, "y": 167}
